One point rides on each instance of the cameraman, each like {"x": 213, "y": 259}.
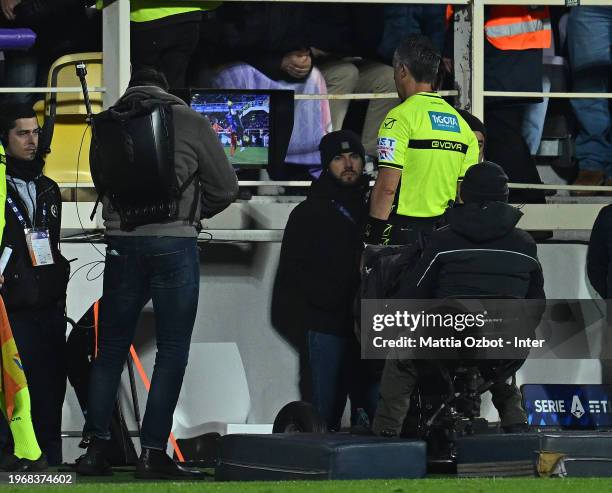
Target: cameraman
{"x": 480, "y": 253}
{"x": 158, "y": 261}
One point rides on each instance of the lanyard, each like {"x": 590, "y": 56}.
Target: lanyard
{"x": 20, "y": 217}
{"x": 17, "y": 213}
{"x": 344, "y": 211}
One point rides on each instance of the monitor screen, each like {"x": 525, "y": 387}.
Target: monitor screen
{"x": 242, "y": 122}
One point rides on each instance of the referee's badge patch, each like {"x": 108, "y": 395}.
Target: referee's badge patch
{"x": 386, "y": 149}
{"x": 444, "y": 121}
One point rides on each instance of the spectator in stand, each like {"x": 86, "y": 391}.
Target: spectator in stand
{"x": 344, "y": 41}
{"x": 164, "y": 35}
{"x": 513, "y": 63}
{"x": 402, "y": 20}
{"x": 589, "y": 39}
{"x": 61, "y": 26}
{"x": 256, "y": 45}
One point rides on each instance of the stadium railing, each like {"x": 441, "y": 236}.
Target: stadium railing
{"x": 471, "y": 93}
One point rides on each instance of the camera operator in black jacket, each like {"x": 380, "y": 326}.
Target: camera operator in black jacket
{"x": 36, "y": 276}
{"x": 479, "y": 253}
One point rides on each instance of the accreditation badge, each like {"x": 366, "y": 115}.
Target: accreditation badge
{"x": 39, "y": 246}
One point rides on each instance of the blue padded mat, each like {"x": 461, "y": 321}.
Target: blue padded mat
{"x": 316, "y": 456}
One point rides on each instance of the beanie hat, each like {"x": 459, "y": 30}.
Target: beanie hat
{"x": 473, "y": 122}
{"x": 484, "y": 182}
{"x": 335, "y": 143}
{"x": 149, "y": 76}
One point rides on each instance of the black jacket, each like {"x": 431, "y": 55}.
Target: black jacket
{"x": 27, "y": 287}
{"x": 318, "y": 272}
{"x": 599, "y": 255}
{"x": 480, "y": 253}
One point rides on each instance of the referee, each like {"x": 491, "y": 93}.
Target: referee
{"x": 424, "y": 149}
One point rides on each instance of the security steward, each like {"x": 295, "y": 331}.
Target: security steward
{"x": 36, "y": 276}
{"x": 424, "y": 149}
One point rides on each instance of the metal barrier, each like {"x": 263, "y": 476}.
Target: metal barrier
{"x": 469, "y": 65}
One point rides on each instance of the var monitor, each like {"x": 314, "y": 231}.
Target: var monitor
{"x": 253, "y": 126}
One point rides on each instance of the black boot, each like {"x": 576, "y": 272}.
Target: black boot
{"x": 93, "y": 462}
{"x": 155, "y": 464}
{"x": 28, "y": 465}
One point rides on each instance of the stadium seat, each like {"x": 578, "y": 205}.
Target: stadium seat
{"x": 64, "y": 116}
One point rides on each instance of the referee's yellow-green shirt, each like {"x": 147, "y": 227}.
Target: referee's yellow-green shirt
{"x": 428, "y": 141}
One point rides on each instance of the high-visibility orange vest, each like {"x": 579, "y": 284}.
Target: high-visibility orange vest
{"x": 517, "y": 27}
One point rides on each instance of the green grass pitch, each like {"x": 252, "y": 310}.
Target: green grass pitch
{"x": 250, "y": 155}
{"x": 124, "y": 483}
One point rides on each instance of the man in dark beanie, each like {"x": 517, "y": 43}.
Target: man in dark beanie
{"x": 479, "y": 253}
{"x": 36, "y": 276}
{"x": 318, "y": 277}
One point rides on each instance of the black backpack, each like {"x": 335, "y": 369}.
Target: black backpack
{"x": 132, "y": 162}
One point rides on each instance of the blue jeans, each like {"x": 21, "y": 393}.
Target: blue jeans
{"x": 337, "y": 373}
{"x": 138, "y": 269}
{"x": 534, "y": 118}
{"x": 589, "y": 38}
{"x": 21, "y": 71}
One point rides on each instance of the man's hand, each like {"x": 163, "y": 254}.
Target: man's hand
{"x": 8, "y": 7}
{"x": 297, "y": 64}
{"x": 1, "y": 281}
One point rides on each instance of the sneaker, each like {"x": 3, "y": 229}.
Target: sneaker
{"x": 588, "y": 177}
{"x": 93, "y": 462}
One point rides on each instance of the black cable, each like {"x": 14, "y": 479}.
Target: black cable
{"x": 207, "y": 240}
{"x": 76, "y": 194}
{"x": 94, "y": 264}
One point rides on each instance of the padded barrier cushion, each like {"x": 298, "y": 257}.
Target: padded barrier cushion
{"x": 587, "y": 454}
{"x": 316, "y": 456}
{"x": 497, "y": 455}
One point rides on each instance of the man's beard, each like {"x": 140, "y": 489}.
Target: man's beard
{"x": 345, "y": 184}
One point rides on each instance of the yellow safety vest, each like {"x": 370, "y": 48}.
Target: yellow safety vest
{"x": 152, "y": 10}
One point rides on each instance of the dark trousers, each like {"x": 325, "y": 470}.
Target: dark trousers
{"x": 337, "y": 372}
{"x": 167, "y": 48}
{"x": 138, "y": 269}
{"x": 40, "y": 336}
{"x": 400, "y": 378}
{"x": 506, "y": 146}
{"x": 412, "y": 230}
